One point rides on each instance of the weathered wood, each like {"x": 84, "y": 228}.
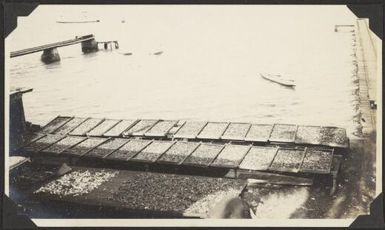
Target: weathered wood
{"x": 119, "y": 128}
{"x": 153, "y": 151}
{"x": 317, "y": 161}
{"x": 178, "y": 152}
{"x": 287, "y": 160}
{"x": 334, "y": 137}
{"x": 308, "y": 135}
{"x": 160, "y": 129}
{"x": 129, "y": 150}
{"x": 190, "y": 129}
{"x": 55, "y": 124}
{"x": 259, "y": 158}
{"x": 213, "y": 130}
{"x": 85, "y": 146}
{"x": 231, "y": 156}
{"x": 64, "y": 144}
{"x": 107, "y": 148}
{"x": 259, "y": 133}
{"x": 103, "y": 127}
{"x": 69, "y": 126}
{"x": 140, "y": 128}
{"x": 42, "y": 143}
{"x": 283, "y": 133}
{"x": 255, "y": 178}
{"x": 203, "y": 155}
{"x": 236, "y": 131}
{"x": 86, "y": 126}
{"x": 51, "y": 45}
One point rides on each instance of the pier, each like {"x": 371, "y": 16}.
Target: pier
{"x": 50, "y": 51}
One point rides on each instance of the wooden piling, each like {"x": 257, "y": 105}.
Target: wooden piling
{"x": 50, "y": 56}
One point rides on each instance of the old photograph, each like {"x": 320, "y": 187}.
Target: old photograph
{"x": 198, "y": 112}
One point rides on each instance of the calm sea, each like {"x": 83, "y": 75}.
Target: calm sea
{"x": 209, "y": 68}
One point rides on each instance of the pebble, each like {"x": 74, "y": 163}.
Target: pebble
{"x": 76, "y": 183}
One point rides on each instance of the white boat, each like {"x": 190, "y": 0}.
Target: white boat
{"x": 279, "y": 79}
{"x": 80, "y": 21}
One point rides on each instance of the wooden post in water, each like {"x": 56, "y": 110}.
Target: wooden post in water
{"x": 50, "y": 55}
{"x": 89, "y": 46}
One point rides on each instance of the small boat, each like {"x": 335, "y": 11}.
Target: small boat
{"x": 158, "y": 53}
{"x": 279, "y": 79}
{"x": 85, "y": 21}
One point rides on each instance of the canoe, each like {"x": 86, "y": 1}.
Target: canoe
{"x": 91, "y": 21}
{"x": 279, "y": 79}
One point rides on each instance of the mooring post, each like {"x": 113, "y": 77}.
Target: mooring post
{"x": 17, "y": 122}
{"x": 89, "y": 46}
{"x": 50, "y": 55}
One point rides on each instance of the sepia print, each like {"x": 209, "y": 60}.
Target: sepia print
{"x": 193, "y": 112}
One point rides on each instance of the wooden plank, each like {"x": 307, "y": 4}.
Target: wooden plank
{"x": 287, "y": 160}
{"x": 317, "y": 161}
{"x": 43, "y": 143}
{"x": 64, "y": 144}
{"x": 231, "y": 156}
{"x": 86, "y": 126}
{"x": 259, "y": 133}
{"x": 203, "y": 155}
{"x": 255, "y": 178}
{"x": 161, "y": 128}
{"x": 178, "y": 152}
{"x": 153, "y": 151}
{"x": 140, "y": 128}
{"x": 103, "y": 127}
{"x": 129, "y": 150}
{"x": 107, "y": 148}
{"x": 283, "y": 133}
{"x": 236, "y": 131}
{"x": 259, "y": 158}
{"x": 119, "y": 128}
{"x": 334, "y": 137}
{"x": 19, "y": 90}
{"x": 17, "y": 161}
{"x": 55, "y": 124}
{"x": 51, "y": 45}
{"x": 213, "y": 130}
{"x": 308, "y": 135}
{"x": 171, "y": 133}
{"x": 190, "y": 129}
{"x": 32, "y": 137}
{"x": 69, "y": 126}
{"x": 84, "y": 146}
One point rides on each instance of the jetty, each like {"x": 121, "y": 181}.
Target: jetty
{"x": 50, "y": 52}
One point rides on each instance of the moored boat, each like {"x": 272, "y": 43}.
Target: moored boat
{"x": 279, "y": 79}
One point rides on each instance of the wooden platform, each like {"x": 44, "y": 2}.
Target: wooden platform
{"x": 152, "y": 144}
{"x": 284, "y": 134}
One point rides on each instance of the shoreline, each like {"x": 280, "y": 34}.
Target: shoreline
{"x": 357, "y": 185}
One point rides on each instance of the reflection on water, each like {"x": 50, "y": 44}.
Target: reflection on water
{"x": 209, "y": 68}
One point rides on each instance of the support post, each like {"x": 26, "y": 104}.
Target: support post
{"x": 89, "y": 46}
{"x": 17, "y": 122}
{"x": 50, "y": 56}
